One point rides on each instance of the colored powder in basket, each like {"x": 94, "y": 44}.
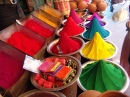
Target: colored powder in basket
{"x": 90, "y": 22}
{"x": 95, "y": 14}
{"x": 10, "y": 70}
{"x": 98, "y": 48}
{"x": 95, "y": 27}
{"x": 102, "y": 76}
{"x": 47, "y": 19}
{"x": 75, "y": 17}
{"x": 37, "y": 28}
{"x": 66, "y": 45}
{"x": 25, "y": 43}
{"x": 71, "y": 28}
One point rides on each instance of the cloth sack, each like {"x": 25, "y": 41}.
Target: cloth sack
{"x": 9, "y": 12}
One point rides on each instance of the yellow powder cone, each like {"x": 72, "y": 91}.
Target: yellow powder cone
{"x": 98, "y": 48}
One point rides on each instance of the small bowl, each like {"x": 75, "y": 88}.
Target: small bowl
{"x": 90, "y": 39}
{"x": 38, "y": 93}
{"x": 58, "y": 31}
{"x": 88, "y": 16}
{"x": 102, "y": 58}
{"x": 112, "y": 93}
{"x": 85, "y": 23}
{"x": 77, "y": 63}
{"x": 59, "y": 54}
{"x": 126, "y": 84}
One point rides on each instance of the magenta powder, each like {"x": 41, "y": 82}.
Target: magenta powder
{"x": 10, "y": 70}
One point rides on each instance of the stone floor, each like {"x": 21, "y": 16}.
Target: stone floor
{"x": 118, "y": 31}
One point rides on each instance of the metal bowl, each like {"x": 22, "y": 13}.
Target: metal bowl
{"x": 90, "y": 39}
{"x": 85, "y": 23}
{"x": 58, "y": 31}
{"x": 81, "y": 41}
{"x": 38, "y": 93}
{"x": 102, "y": 58}
{"x": 78, "y": 64}
{"x": 126, "y": 84}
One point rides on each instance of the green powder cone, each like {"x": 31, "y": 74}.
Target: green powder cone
{"x": 95, "y": 27}
{"x": 102, "y": 76}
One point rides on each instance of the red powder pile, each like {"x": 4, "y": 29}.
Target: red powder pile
{"x": 35, "y": 27}
{"x": 24, "y": 43}
{"x": 10, "y": 70}
{"x": 66, "y": 45}
{"x": 71, "y": 28}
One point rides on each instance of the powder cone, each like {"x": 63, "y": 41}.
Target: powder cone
{"x": 102, "y": 76}
{"x": 95, "y": 27}
{"x": 71, "y": 28}
{"x": 75, "y": 17}
{"x": 94, "y": 15}
{"x": 66, "y": 45}
{"x": 98, "y": 48}
{"x": 100, "y": 22}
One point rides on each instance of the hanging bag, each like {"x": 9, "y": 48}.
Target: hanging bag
{"x": 9, "y": 12}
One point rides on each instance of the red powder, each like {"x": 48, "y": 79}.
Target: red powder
{"x": 10, "y": 70}
{"x": 71, "y": 28}
{"x": 42, "y": 31}
{"x": 66, "y": 45}
{"x": 24, "y": 43}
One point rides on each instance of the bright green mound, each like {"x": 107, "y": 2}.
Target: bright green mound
{"x": 102, "y": 76}
{"x": 95, "y": 27}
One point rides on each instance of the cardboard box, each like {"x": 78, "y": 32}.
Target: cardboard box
{"x": 21, "y": 84}
{"x": 6, "y": 33}
{"x": 48, "y": 18}
{"x": 42, "y": 23}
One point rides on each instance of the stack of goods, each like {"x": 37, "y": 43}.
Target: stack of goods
{"x": 102, "y": 76}
{"x": 71, "y": 28}
{"x": 98, "y": 48}
{"x": 95, "y": 26}
{"x": 55, "y": 72}
{"x": 66, "y": 45}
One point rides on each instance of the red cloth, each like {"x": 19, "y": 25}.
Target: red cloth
{"x": 42, "y": 31}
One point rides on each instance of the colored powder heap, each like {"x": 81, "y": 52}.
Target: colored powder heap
{"x": 47, "y": 19}
{"x": 35, "y": 27}
{"x": 95, "y": 27}
{"x": 102, "y": 76}
{"x": 94, "y": 15}
{"x": 24, "y": 43}
{"x": 89, "y": 24}
{"x": 10, "y": 70}
{"x": 97, "y": 48}
{"x": 66, "y": 45}
{"x": 75, "y": 17}
{"x": 71, "y": 28}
